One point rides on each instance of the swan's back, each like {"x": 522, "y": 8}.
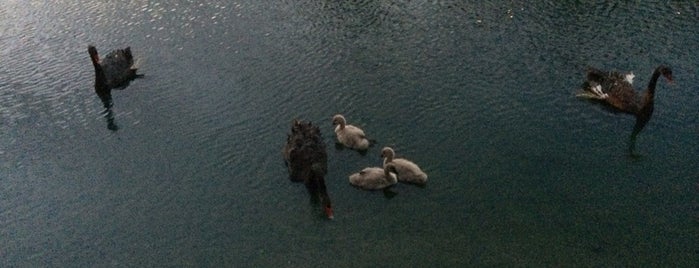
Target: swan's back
{"x": 372, "y": 178}
{"x": 118, "y": 67}
{"x": 408, "y": 171}
{"x": 616, "y": 89}
{"x": 352, "y": 137}
{"x": 305, "y": 152}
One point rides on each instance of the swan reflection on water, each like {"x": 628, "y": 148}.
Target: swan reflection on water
{"x": 115, "y": 71}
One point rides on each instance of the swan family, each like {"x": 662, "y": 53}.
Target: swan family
{"x": 305, "y": 154}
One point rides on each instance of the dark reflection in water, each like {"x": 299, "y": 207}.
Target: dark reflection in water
{"x": 106, "y": 98}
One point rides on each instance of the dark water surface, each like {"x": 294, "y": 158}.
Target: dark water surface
{"x": 481, "y": 96}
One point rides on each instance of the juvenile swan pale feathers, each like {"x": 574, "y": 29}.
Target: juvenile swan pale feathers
{"x": 406, "y": 170}
{"x": 374, "y": 178}
{"x": 348, "y": 135}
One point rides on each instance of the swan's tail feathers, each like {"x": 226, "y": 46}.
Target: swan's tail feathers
{"x": 593, "y": 92}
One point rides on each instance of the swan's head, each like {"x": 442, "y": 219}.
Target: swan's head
{"x": 93, "y": 53}
{"x": 338, "y": 119}
{"x": 666, "y": 72}
{"x": 387, "y": 152}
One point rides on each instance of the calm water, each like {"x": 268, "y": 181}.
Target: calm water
{"x": 480, "y": 95}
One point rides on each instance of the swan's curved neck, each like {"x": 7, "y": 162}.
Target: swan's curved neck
{"x": 324, "y": 198}
{"x": 387, "y": 173}
{"x": 388, "y": 158}
{"x": 645, "y": 110}
{"x": 100, "y": 77}
{"x": 649, "y": 95}
{"x": 94, "y": 57}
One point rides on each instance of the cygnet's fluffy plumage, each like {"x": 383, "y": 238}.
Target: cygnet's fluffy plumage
{"x": 374, "y": 178}
{"x": 406, "y": 170}
{"x": 348, "y": 135}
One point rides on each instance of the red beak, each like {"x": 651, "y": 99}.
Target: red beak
{"x": 329, "y": 212}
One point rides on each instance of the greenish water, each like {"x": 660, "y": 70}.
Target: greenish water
{"x": 481, "y": 96}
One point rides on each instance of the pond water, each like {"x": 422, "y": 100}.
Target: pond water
{"x": 481, "y": 96}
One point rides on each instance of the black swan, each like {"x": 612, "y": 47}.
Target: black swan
{"x": 406, "y": 170}
{"x": 307, "y": 161}
{"x": 616, "y": 90}
{"x": 114, "y": 71}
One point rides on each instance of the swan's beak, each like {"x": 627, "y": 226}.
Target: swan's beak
{"x": 329, "y": 212}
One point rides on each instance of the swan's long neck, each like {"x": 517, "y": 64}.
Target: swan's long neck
{"x": 94, "y": 57}
{"x": 325, "y": 198}
{"x": 100, "y": 77}
{"x": 387, "y": 159}
{"x": 649, "y": 95}
{"x": 387, "y": 173}
{"x": 646, "y": 108}
{"x": 316, "y": 183}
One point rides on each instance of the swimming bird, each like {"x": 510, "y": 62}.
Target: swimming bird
{"x": 348, "y": 135}
{"x": 616, "y": 91}
{"x": 306, "y": 158}
{"x": 374, "y": 178}
{"x": 114, "y": 71}
{"x": 406, "y": 170}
